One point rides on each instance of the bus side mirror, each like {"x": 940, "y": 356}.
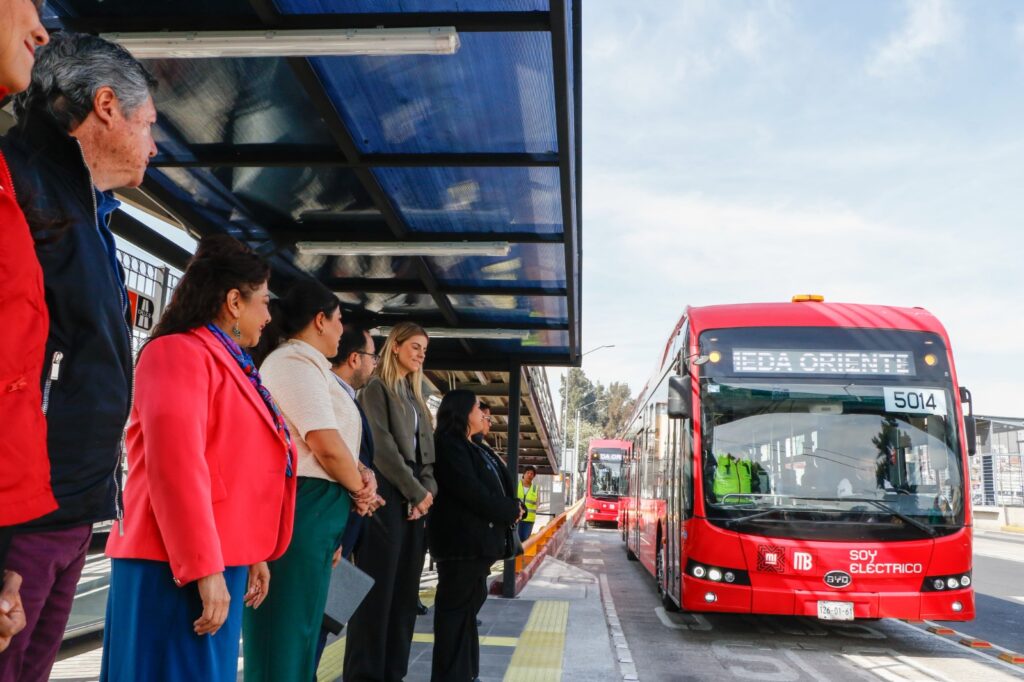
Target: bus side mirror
{"x": 582, "y": 466}
{"x": 680, "y": 397}
{"x": 970, "y": 424}
{"x": 971, "y": 433}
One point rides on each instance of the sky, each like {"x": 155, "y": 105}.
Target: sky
{"x": 871, "y": 151}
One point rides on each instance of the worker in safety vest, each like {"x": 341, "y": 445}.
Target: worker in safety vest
{"x": 731, "y": 476}
{"x": 527, "y": 495}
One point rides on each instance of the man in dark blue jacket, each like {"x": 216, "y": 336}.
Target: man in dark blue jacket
{"x": 83, "y": 130}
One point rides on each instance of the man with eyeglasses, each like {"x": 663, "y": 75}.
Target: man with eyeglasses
{"x": 353, "y": 366}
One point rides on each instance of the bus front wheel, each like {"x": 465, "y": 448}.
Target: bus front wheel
{"x": 666, "y": 599}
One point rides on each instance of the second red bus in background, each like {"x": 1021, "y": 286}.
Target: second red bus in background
{"x": 602, "y": 476}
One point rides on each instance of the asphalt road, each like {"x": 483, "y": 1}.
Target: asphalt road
{"x": 670, "y": 647}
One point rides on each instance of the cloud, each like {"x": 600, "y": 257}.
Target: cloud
{"x": 669, "y": 249}
{"x": 930, "y": 26}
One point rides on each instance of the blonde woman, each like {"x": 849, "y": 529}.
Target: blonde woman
{"x": 392, "y": 550}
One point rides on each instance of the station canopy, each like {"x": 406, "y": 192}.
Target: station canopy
{"x": 421, "y": 158}
{"x": 438, "y": 188}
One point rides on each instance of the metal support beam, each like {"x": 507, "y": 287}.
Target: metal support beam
{"x": 568, "y": 172}
{"x": 515, "y": 378}
{"x": 318, "y": 156}
{"x": 463, "y": 22}
{"x": 415, "y": 286}
{"x": 148, "y": 239}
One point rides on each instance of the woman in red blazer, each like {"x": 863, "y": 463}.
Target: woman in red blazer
{"x": 210, "y": 494}
{"x": 25, "y": 491}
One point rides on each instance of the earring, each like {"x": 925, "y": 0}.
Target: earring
{"x": 236, "y": 331}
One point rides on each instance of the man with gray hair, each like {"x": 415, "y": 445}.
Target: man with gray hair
{"x": 83, "y": 130}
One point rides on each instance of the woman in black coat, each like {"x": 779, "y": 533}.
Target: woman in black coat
{"x": 475, "y": 507}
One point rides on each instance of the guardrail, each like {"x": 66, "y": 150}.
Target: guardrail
{"x": 547, "y": 542}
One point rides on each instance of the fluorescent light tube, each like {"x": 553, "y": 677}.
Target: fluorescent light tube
{"x": 485, "y": 334}
{"x": 403, "y": 248}
{"x": 317, "y": 43}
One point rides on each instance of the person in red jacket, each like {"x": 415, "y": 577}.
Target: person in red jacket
{"x": 25, "y": 491}
{"x": 210, "y": 495}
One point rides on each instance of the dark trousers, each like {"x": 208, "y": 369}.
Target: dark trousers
{"x": 50, "y": 564}
{"x": 461, "y": 592}
{"x": 380, "y": 631}
{"x": 525, "y": 529}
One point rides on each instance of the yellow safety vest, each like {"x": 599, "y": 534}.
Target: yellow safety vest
{"x": 529, "y": 498}
{"x": 732, "y": 476}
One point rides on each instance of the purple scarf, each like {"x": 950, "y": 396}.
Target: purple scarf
{"x": 249, "y": 368}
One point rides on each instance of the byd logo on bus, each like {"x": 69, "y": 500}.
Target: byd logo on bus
{"x": 838, "y": 579}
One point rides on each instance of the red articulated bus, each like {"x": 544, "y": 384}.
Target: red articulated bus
{"x": 604, "y": 479}
{"x": 807, "y": 459}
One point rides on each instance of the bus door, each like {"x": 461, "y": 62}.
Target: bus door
{"x": 671, "y": 438}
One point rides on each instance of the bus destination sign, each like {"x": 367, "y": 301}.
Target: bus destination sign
{"x": 777, "y": 361}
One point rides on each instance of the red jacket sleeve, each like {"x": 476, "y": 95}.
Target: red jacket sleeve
{"x": 172, "y": 398}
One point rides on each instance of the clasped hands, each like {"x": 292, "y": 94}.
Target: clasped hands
{"x": 366, "y": 498}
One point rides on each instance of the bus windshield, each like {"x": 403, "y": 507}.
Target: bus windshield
{"x": 844, "y": 456}
{"x": 606, "y": 475}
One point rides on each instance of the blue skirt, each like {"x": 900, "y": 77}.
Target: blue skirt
{"x": 149, "y": 633}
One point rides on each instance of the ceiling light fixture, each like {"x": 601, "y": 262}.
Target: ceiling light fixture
{"x": 483, "y": 334}
{"x": 317, "y": 43}
{"x": 403, "y": 248}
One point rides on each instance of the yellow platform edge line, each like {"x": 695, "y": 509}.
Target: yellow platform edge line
{"x": 538, "y": 656}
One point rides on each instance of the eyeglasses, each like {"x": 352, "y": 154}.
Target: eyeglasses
{"x": 376, "y": 358}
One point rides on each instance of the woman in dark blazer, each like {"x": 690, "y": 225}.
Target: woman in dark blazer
{"x": 475, "y": 508}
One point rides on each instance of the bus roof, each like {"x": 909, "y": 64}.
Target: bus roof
{"x": 813, "y": 314}
{"x": 609, "y": 443}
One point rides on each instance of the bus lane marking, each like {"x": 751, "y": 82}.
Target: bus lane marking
{"x": 992, "y": 657}
{"x": 890, "y": 664}
{"x": 700, "y": 623}
{"x": 731, "y": 654}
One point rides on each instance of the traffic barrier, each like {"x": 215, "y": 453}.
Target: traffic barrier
{"x": 548, "y": 541}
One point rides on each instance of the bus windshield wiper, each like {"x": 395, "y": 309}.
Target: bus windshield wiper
{"x": 889, "y": 509}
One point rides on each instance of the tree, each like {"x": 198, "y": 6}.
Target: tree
{"x": 618, "y": 407}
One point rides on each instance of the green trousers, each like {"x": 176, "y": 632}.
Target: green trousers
{"x": 280, "y": 638}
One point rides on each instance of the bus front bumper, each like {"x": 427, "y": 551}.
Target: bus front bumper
{"x": 602, "y": 515}
{"x": 704, "y": 595}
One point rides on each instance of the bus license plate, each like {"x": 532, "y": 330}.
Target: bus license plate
{"x": 835, "y": 610}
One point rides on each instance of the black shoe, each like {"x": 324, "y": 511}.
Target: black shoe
{"x": 421, "y": 610}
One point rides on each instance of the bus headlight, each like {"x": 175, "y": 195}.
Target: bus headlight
{"x": 718, "y": 574}
{"x": 940, "y": 583}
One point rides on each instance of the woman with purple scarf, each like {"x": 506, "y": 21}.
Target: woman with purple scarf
{"x": 210, "y": 494}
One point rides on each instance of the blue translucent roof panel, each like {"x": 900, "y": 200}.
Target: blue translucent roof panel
{"x": 394, "y": 6}
{"x": 475, "y": 199}
{"x": 542, "y": 264}
{"x": 495, "y": 94}
{"x": 508, "y": 308}
{"x": 233, "y": 101}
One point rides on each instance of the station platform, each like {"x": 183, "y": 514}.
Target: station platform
{"x": 554, "y": 630}
{"x": 557, "y": 628}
